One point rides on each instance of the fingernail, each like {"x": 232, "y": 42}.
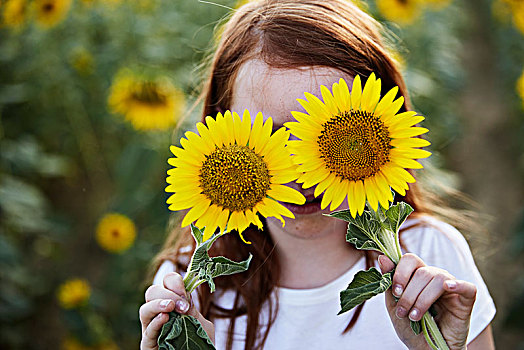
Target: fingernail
{"x": 397, "y": 290}
{"x": 451, "y": 284}
{"x": 181, "y": 306}
{"x": 164, "y": 303}
{"x": 400, "y": 312}
{"x": 380, "y": 261}
{"x": 413, "y": 315}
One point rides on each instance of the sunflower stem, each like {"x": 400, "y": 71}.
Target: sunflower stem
{"x": 434, "y": 332}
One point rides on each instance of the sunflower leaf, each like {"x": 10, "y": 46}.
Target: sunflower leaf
{"x": 207, "y": 268}
{"x": 183, "y": 332}
{"x": 362, "y": 230}
{"x": 396, "y": 215}
{"x": 364, "y": 286}
{"x": 416, "y": 326}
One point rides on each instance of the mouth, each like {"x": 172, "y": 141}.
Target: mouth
{"x": 311, "y": 206}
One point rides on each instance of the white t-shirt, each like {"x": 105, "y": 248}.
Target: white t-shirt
{"x": 307, "y": 318}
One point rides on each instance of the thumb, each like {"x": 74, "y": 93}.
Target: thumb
{"x": 385, "y": 264}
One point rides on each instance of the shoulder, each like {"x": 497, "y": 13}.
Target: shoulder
{"x": 435, "y": 241}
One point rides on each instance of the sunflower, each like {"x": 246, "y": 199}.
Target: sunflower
{"x": 51, "y": 12}
{"x": 149, "y": 104}
{"x": 436, "y": 4}
{"x": 82, "y": 61}
{"x": 517, "y": 10}
{"x": 73, "y": 293}
{"x": 230, "y": 172}
{"x": 520, "y": 87}
{"x": 355, "y": 145}
{"x": 115, "y": 233}
{"x": 400, "y": 11}
{"x": 14, "y": 13}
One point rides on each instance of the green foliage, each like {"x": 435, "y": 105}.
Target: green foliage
{"x": 183, "y": 332}
{"x": 364, "y": 286}
{"x": 203, "y": 268}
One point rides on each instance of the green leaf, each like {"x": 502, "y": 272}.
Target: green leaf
{"x": 397, "y": 214}
{"x": 183, "y": 332}
{"x": 198, "y": 235}
{"x": 362, "y": 230}
{"x": 220, "y": 266}
{"x": 365, "y": 285}
{"x": 207, "y": 268}
{"x": 416, "y": 326}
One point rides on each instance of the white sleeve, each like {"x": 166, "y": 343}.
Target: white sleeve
{"x": 166, "y": 267}
{"x": 441, "y": 245}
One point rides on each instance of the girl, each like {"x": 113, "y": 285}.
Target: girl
{"x": 271, "y": 52}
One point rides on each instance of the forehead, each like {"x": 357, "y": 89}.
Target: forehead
{"x": 274, "y": 91}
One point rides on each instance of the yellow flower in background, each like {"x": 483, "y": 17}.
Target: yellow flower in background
{"x": 51, "y": 12}
{"x": 518, "y": 15}
{"x": 355, "y": 145}
{"x": 115, "y": 233}
{"x": 232, "y": 171}
{"x": 73, "y": 293}
{"x": 520, "y": 87}
{"x": 14, "y": 13}
{"x": 82, "y": 61}
{"x": 71, "y": 343}
{"x": 147, "y": 104}
{"x": 399, "y": 11}
{"x": 436, "y": 4}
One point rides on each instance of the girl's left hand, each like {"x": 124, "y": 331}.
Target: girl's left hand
{"x": 419, "y": 286}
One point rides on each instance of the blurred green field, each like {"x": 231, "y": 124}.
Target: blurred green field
{"x": 91, "y": 92}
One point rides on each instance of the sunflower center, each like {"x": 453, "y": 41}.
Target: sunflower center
{"x": 354, "y": 145}
{"x": 148, "y": 92}
{"x": 48, "y": 7}
{"x": 234, "y": 177}
{"x": 115, "y": 233}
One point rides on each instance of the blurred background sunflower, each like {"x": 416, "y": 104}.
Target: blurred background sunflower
{"x": 68, "y": 156}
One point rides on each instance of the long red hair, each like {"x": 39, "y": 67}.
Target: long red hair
{"x": 285, "y": 34}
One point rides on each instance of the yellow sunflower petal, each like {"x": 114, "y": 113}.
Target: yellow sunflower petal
{"x": 390, "y": 111}
{"x": 321, "y": 187}
{"x": 339, "y": 195}
{"x": 414, "y": 153}
{"x": 245, "y": 128}
{"x": 360, "y": 196}
{"x": 256, "y": 130}
{"x": 196, "y": 212}
{"x": 286, "y": 194}
{"x": 386, "y": 101}
{"x": 329, "y": 101}
{"x": 410, "y": 132}
{"x": 341, "y": 95}
{"x": 356, "y": 93}
{"x": 410, "y": 142}
{"x": 371, "y": 193}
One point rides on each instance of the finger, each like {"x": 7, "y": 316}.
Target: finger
{"x": 467, "y": 291}
{"x": 174, "y": 282}
{"x": 420, "y": 279}
{"x": 429, "y": 295}
{"x": 151, "y": 309}
{"x": 151, "y": 333}
{"x": 405, "y": 268}
{"x": 385, "y": 264}
{"x": 158, "y": 292}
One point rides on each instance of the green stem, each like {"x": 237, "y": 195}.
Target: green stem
{"x": 431, "y": 330}
{"x": 427, "y": 336}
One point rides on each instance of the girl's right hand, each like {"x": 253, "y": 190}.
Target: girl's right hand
{"x": 160, "y": 300}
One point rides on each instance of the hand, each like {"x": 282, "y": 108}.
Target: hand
{"x": 419, "y": 286}
{"x": 160, "y": 300}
